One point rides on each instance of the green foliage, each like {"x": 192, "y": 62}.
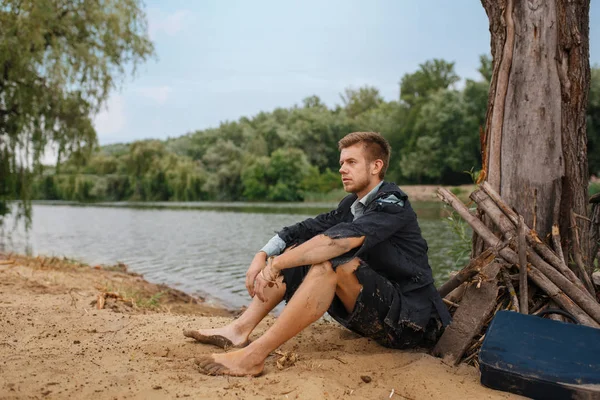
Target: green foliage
{"x": 58, "y": 63}
{"x": 291, "y": 154}
{"x": 461, "y": 251}
{"x": 278, "y": 178}
{"x": 432, "y": 76}
{"x": 360, "y": 101}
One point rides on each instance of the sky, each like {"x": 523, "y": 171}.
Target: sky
{"x": 220, "y": 60}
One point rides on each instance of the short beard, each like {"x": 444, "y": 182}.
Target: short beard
{"x": 364, "y": 184}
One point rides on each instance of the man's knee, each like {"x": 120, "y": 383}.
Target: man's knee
{"x": 346, "y": 271}
{"x": 320, "y": 269}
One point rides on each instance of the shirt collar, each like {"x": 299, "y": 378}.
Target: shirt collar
{"x": 366, "y": 198}
{"x": 369, "y": 196}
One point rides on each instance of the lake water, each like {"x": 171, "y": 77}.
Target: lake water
{"x": 200, "y": 248}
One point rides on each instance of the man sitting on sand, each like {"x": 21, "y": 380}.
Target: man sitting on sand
{"x": 365, "y": 263}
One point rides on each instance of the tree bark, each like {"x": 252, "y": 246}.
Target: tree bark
{"x": 537, "y": 155}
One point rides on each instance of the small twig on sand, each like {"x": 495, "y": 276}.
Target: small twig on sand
{"x": 112, "y": 331}
{"x": 340, "y": 360}
{"x": 450, "y": 303}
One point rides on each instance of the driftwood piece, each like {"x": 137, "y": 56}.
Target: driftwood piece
{"x": 553, "y": 316}
{"x": 522, "y": 246}
{"x": 579, "y": 295}
{"x": 476, "y": 307}
{"x": 487, "y": 204}
{"x": 556, "y": 262}
{"x": 457, "y": 294}
{"x": 596, "y": 278}
{"x": 578, "y": 258}
{"x": 532, "y": 237}
{"x": 560, "y": 297}
{"x": 539, "y": 278}
{"x": 510, "y": 213}
{"x": 496, "y": 207}
{"x": 101, "y": 300}
{"x": 474, "y": 267}
{"x": 511, "y": 290}
{"x": 557, "y": 243}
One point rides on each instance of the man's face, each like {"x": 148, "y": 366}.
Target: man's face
{"x": 355, "y": 169}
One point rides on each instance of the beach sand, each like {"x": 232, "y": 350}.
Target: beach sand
{"x": 55, "y": 344}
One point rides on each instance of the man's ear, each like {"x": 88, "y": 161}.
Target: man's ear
{"x": 377, "y": 166}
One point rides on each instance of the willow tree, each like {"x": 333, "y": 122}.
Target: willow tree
{"x": 59, "y": 61}
{"x": 535, "y": 133}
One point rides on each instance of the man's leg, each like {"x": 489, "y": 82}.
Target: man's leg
{"x": 348, "y": 287}
{"x": 307, "y": 305}
{"x": 237, "y": 332}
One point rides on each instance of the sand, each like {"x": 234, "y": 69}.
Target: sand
{"x": 55, "y": 344}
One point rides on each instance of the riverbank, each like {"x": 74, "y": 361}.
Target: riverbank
{"x": 56, "y": 343}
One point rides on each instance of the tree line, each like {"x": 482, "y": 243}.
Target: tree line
{"x": 291, "y": 153}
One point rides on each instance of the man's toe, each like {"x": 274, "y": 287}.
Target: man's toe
{"x": 201, "y": 362}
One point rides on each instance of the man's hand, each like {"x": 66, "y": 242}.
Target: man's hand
{"x": 266, "y": 278}
{"x": 259, "y": 261}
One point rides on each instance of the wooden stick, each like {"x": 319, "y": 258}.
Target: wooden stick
{"x": 574, "y": 290}
{"x": 523, "y": 267}
{"x": 583, "y": 274}
{"x": 509, "y": 255}
{"x": 450, "y": 303}
{"x": 556, "y": 262}
{"x": 557, "y": 243}
{"x": 510, "y": 213}
{"x": 531, "y": 235}
{"x": 474, "y": 267}
{"x": 511, "y": 290}
{"x": 560, "y": 297}
{"x": 579, "y": 296}
{"x": 487, "y": 204}
{"x": 100, "y": 301}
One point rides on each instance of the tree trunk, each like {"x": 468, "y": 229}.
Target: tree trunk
{"x": 535, "y": 136}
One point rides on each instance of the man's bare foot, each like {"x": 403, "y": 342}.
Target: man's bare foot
{"x": 225, "y": 337}
{"x": 235, "y": 363}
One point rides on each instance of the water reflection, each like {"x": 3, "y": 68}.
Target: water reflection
{"x": 201, "y": 248}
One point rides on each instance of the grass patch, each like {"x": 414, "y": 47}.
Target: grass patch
{"x": 141, "y": 299}
{"x": 461, "y": 251}
{"x": 457, "y": 191}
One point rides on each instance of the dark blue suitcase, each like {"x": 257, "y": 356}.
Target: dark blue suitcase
{"x": 540, "y": 358}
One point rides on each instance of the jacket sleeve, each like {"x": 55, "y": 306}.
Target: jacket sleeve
{"x": 381, "y": 220}
{"x": 309, "y": 228}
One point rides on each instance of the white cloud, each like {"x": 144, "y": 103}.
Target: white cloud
{"x": 159, "y": 94}
{"x": 169, "y": 24}
{"x": 111, "y": 120}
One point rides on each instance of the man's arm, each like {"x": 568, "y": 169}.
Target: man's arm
{"x": 318, "y": 249}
